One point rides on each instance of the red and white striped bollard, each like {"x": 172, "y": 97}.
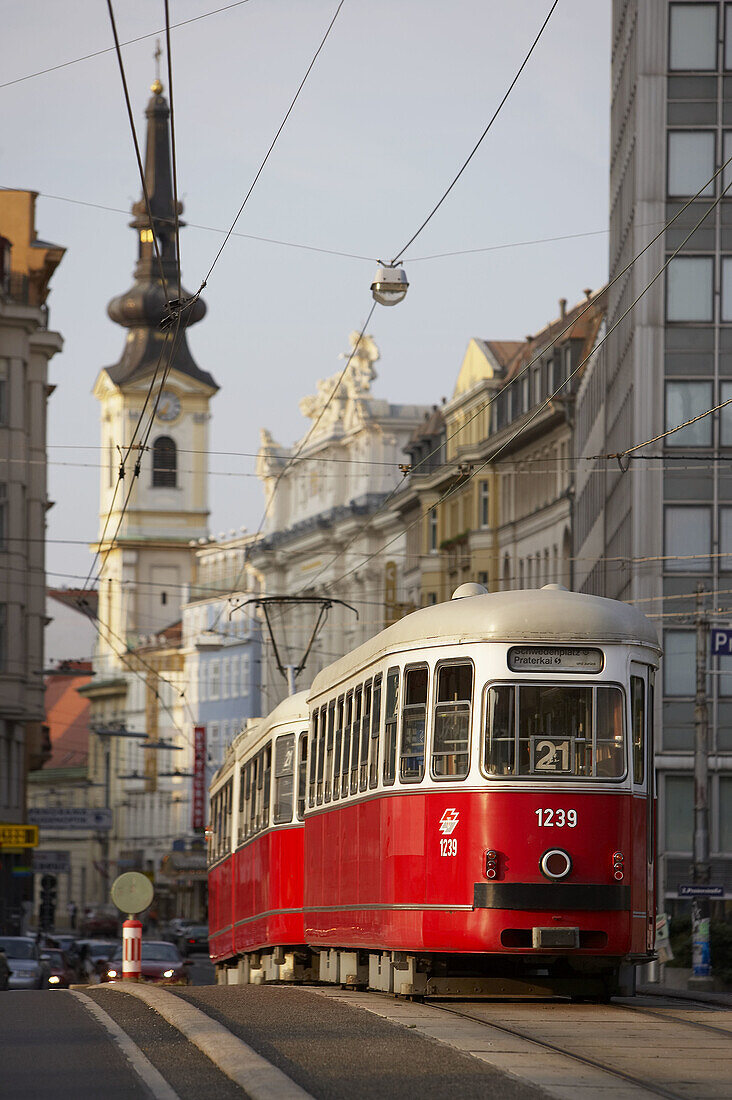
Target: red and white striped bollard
{"x": 131, "y": 949}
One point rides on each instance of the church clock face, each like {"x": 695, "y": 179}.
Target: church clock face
{"x": 168, "y": 406}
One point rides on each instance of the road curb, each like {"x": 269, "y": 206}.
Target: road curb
{"x": 253, "y": 1073}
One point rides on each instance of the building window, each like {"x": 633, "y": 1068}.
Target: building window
{"x": 433, "y": 530}
{"x": 685, "y": 400}
{"x": 484, "y": 504}
{"x": 725, "y": 814}
{"x": 214, "y": 680}
{"x": 679, "y": 662}
{"x": 3, "y": 402}
{"x": 688, "y": 539}
{"x": 692, "y": 37}
{"x": 690, "y": 162}
{"x": 725, "y": 539}
{"x": 728, "y": 36}
{"x": 689, "y": 289}
{"x": 726, "y": 288}
{"x": 165, "y": 463}
{"x": 725, "y": 415}
{"x": 679, "y": 808}
{"x": 3, "y": 637}
{"x": 3, "y": 515}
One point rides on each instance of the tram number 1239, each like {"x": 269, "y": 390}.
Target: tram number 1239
{"x": 448, "y": 846}
{"x": 556, "y": 818}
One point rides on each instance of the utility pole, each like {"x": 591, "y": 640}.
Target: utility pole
{"x": 701, "y": 952}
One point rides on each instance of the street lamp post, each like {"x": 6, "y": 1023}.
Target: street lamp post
{"x": 105, "y": 734}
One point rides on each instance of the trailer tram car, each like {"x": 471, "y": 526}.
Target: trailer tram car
{"x": 478, "y": 809}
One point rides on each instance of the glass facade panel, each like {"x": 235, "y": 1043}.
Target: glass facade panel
{"x": 725, "y": 814}
{"x": 725, "y": 415}
{"x": 689, "y": 286}
{"x": 690, "y": 162}
{"x": 679, "y": 811}
{"x": 726, "y": 288}
{"x": 688, "y": 534}
{"x": 725, "y": 540}
{"x": 692, "y": 37}
{"x": 685, "y": 400}
{"x": 679, "y": 662}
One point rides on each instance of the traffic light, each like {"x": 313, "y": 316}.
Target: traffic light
{"x": 47, "y": 913}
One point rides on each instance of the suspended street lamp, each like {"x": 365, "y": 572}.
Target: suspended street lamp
{"x": 390, "y": 284}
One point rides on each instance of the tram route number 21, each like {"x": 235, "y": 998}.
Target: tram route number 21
{"x": 448, "y": 846}
{"x": 559, "y": 818}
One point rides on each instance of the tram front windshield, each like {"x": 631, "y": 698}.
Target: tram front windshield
{"x": 540, "y": 730}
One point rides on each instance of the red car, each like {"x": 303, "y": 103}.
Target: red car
{"x": 62, "y": 973}
{"x": 161, "y": 962}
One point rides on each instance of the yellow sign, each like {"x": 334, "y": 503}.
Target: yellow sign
{"x": 18, "y": 836}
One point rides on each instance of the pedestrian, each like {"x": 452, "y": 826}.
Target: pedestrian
{"x": 72, "y": 911}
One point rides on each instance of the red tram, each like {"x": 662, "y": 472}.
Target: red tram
{"x": 475, "y": 808}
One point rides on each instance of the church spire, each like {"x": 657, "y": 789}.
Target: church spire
{"x": 142, "y": 308}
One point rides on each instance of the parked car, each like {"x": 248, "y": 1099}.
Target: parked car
{"x": 193, "y": 938}
{"x": 101, "y": 920}
{"x": 160, "y": 962}
{"x": 62, "y": 972}
{"x": 29, "y": 969}
{"x": 93, "y": 957}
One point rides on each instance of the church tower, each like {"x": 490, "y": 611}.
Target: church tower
{"x": 144, "y": 543}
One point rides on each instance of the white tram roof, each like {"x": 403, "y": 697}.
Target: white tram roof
{"x": 550, "y": 615}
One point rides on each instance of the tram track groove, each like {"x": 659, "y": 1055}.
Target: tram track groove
{"x": 661, "y": 1015}
{"x": 591, "y": 1063}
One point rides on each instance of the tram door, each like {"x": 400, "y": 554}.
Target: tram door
{"x": 641, "y": 763}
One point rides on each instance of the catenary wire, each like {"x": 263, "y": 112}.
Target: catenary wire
{"x": 461, "y": 482}
{"x": 272, "y": 145}
{"x": 129, "y": 42}
{"x": 477, "y": 145}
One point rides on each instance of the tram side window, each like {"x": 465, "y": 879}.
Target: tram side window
{"x": 451, "y": 736}
{"x": 244, "y": 796}
{"x": 638, "y": 709}
{"x": 365, "y": 732}
{"x": 321, "y": 759}
{"x": 302, "y": 776}
{"x": 338, "y": 707}
{"x": 328, "y": 749}
{"x": 266, "y": 786}
{"x": 345, "y": 769}
{"x": 313, "y": 759}
{"x": 391, "y": 722}
{"x": 375, "y": 727}
{"x": 500, "y": 731}
{"x": 414, "y": 717}
{"x": 253, "y": 805}
{"x": 284, "y": 778}
{"x": 355, "y": 737}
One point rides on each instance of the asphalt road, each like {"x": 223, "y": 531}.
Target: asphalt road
{"x": 336, "y": 1052}
{"x": 52, "y": 1048}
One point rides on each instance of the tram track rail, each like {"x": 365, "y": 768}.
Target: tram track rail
{"x": 565, "y": 1050}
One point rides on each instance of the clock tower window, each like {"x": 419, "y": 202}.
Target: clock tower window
{"x": 165, "y": 463}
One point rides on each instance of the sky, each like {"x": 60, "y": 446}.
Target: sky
{"x": 395, "y": 102}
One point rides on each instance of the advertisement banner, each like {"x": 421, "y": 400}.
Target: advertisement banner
{"x": 199, "y": 778}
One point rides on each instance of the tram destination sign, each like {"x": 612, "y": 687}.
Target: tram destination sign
{"x": 700, "y": 890}
{"x": 536, "y": 658}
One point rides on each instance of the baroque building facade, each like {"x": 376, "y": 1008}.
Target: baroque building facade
{"x": 491, "y": 488}
{"x": 27, "y": 343}
{"x": 331, "y": 529}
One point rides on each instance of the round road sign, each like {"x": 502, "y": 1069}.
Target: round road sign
{"x": 132, "y": 892}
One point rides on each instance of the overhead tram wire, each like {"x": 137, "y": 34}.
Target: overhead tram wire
{"x": 129, "y": 42}
{"x": 280, "y": 128}
{"x": 463, "y": 481}
{"x": 477, "y": 145}
{"x": 628, "y": 452}
{"x": 487, "y": 404}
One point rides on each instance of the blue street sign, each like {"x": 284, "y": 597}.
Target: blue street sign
{"x": 721, "y": 642}
{"x": 694, "y": 890}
